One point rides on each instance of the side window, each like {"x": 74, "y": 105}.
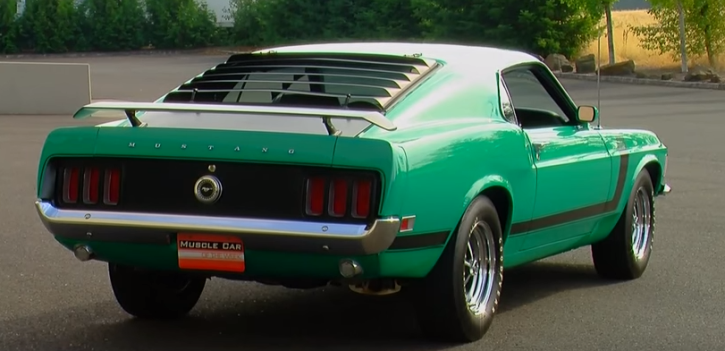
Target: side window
{"x": 533, "y": 105}
{"x": 506, "y": 107}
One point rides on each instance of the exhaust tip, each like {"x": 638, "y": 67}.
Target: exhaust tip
{"x": 350, "y": 268}
{"x": 83, "y": 253}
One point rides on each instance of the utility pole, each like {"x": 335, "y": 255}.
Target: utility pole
{"x": 683, "y": 48}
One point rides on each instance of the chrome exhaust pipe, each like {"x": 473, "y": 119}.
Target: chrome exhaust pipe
{"x": 350, "y": 268}
{"x": 83, "y": 253}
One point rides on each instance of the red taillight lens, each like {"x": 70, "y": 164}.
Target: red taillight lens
{"x": 112, "y": 187}
{"x": 315, "y": 196}
{"x": 338, "y": 198}
{"x": 70, "y": 185}
{"x": 91, "y": 180}
{"x": 361, "y": 194}
{"x": 333, "y": 195}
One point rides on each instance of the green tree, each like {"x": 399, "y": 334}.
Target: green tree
{"x": 704, "y": 29}
{"x": 537, "y": 26}
{"x": 180, "y": 24}
{"x": 50, "y": 26}
{"x": 8, "y": 26}
{"x": 274, "y": 22}
{"x": 113, "y": 25}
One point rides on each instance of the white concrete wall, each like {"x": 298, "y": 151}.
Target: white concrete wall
{"x": 44, "y": 88}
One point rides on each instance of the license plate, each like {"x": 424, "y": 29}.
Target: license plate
{"x": 210, "y": 252}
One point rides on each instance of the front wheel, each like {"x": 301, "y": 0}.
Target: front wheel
{"x": 152, "y": 294}
{"x": 458, "y": 299}
{"x": 625, "y": 253}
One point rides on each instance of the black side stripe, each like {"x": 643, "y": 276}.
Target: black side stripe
{"x": 439, "y": 238}
{"x": 580, "y": 213}
{"x": 419, "y": 240}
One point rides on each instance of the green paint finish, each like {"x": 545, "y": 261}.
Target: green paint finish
{"x": 161, "y": 257}
{"x": 66, "y": 141}
{"x": 227, "y": 145}
{"x": 452, "y": 143}
{"x": 380, "y": 155}
{"x": 569, "y": 158}
{"x": 409, "y": 263}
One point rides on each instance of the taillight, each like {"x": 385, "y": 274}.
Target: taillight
{"x": 361, "y": 196}
{"x": 70, "y": 185}
{"x": 91, "y": 180}
{"x": 93, "y": 184}
{"x": 315, "y": 196}
{"x": 111, "y": 187}
{"x": 339, "y": 197}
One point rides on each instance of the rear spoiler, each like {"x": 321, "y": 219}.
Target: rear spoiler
{"x": 131, "y": 108}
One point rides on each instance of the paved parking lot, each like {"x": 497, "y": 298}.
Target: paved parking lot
{"x": 49, "y": 301}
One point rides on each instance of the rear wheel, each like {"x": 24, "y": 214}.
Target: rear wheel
{"x": 625, "y": 253}
{"x": 152, "y": 294}
{"x": 458, "y": 299}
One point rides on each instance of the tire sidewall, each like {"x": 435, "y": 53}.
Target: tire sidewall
{"x": 481, "y": 209}
{"x": 142, "y": 294}
{"x": 638, "y": 265}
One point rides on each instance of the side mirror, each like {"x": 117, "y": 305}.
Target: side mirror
{"x": 587, "y": 114}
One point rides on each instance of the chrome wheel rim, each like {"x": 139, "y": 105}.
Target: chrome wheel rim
{"x": 641, "y": 222}
{"x": 479, "y": 267}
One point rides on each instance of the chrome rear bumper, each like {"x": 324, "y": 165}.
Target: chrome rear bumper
{"x": 257, "y": 234}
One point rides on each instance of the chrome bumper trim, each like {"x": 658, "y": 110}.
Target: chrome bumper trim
{"x": 259, "y": 234}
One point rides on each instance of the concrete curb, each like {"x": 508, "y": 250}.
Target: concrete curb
{"x": 642, "y": 81}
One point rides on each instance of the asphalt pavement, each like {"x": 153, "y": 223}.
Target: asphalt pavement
{"x": 49, "y": 301}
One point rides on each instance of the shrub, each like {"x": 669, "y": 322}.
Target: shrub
{"x": 536, "y": 26}
{"x": 8, "y": 27}
{"x": 113, "y": 25}
{"x": 180, "y": 24}
{"x": 50, "y": 26}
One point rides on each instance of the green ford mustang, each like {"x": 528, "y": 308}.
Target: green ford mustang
{"x": 383, "y": 167}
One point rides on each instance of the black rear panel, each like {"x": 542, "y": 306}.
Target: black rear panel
{"x": 249, "y": 190}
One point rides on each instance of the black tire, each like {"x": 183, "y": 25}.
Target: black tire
{"x": 440, "y": 300}
{"x": 154, "y": 295}
{"x": 615, "y": 257}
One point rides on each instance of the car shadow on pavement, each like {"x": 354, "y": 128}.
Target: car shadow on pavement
{"x": 292, "y": 320}
{"x": 536, "y": 281}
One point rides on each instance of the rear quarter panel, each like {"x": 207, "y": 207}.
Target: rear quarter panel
{"x": 456, "y": 146}
{"x": 448, "y": 169}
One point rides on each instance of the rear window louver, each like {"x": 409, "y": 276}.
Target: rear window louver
{"x": 317, "y": 80}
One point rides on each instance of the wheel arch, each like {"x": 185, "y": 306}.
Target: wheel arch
{"x": 498, "y": 190}
{"x": 502, "y": 201}
{"x": 652, "y": 165}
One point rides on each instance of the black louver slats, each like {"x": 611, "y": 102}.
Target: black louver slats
{"x": 236, "y": 78}
{"x": 223, "y": 84}
{"x": 356, "y": 80}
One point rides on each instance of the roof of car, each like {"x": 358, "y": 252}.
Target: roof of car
{"x": 490, "y": 57}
